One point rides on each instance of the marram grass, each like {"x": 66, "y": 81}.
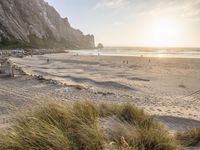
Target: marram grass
{"x": 190, "y": 137}
{"x": 78, "y": 126}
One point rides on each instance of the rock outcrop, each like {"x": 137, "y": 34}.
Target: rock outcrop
{"x": 34, "y": 23}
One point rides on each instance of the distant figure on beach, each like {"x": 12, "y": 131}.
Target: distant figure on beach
{"x": 125, "y": 62}
{"x": 47, "y": 60}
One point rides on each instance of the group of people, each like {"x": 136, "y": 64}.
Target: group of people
{"x": 125, "y": 61}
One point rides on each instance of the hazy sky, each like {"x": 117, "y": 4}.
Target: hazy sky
{"x": 135, "y": 22}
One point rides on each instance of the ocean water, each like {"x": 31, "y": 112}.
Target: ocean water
{"x": 142, "y": 52}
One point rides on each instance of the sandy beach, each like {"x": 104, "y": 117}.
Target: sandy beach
{"x": 165, "y": 87}
{"x": 107, "y": 74}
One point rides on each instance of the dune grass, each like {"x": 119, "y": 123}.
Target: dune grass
{"x": 55, "y": 126}
{"x": 134, "y": 129}
{"x": 78, "y": 126}
{"x": 190, "y": 137}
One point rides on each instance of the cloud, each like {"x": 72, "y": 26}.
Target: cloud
{"x": 112, "y": 3}
{"x": 191, "y": 9}
{"x": 118, "y": 23}
{"x": 187, "y": 9}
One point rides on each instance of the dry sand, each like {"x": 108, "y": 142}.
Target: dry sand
{"x": 164, "y": 87}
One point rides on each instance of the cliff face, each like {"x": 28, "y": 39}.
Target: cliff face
{"x": 34, "y": 23}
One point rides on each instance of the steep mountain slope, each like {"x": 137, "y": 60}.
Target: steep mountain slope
{"x": 34, "y": 23}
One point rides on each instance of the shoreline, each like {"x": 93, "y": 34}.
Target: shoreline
{"x": 161, "y": 53}
{"x": 144, "y": 57}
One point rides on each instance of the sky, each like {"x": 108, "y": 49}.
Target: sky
{"x": 172, "y": 23}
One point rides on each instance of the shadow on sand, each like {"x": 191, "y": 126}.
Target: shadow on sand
{"x": 178, "y": 123}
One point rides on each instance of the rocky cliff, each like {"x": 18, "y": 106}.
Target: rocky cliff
{"x": 34, "y": 23}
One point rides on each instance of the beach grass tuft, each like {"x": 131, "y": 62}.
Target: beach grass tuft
{"x": 128, "y": 113}
{"x": 125, "y": 135}
{"x": 132, "y": 128}
{"x": 55, "y": 126}
{"x": 79, "y": 126}
{"x": 190, "y": 137}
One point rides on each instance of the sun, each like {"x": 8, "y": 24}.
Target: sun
{"x": 164, "y": 33}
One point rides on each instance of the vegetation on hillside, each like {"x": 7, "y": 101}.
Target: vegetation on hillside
{"x": 37, "y": 43}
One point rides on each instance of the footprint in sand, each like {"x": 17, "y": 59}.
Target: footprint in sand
{"x": 168, "y": 111}
{"x": 159, "y": 110}
{"x": 182, "y": 86}
{"x": 152, "y": 109}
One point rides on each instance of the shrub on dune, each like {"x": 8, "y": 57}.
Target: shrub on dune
{"x": 190, "y": 137}
{"x": 37, "y": 134}
{"x": 60, "y": 126}
{"x": 132, "y": 128}
{"x": 124, "y": 135}
{"x": 127, "y": 113}
{"x": 131, "y": 114}
{"x": 85, "y": 131}
{"x": 157, "y": 139}
{"x": 54, "y": 126}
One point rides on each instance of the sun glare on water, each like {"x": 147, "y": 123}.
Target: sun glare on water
{"x": 164, "y": 33}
